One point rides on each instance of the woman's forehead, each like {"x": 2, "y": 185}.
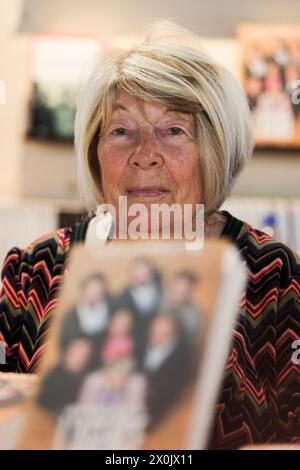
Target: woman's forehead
{"x": 131, "y": 104}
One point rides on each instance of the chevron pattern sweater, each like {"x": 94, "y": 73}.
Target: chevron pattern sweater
{"x": 259, "y": 400}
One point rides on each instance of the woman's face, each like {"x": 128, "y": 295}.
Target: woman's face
{"x": 121, "y": 323}
{"x": 180, "y": 290}
{"x": 162, "y": 330}
{"x": 142, "y": 272}
{"x": 93, "y": 292}
{"x": 150, "y": 156}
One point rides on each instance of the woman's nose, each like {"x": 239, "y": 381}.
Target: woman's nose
{"x": 146, "y": 155}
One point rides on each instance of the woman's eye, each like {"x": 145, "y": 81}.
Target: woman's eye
{"x": 175, "y": 130}
{"x": 119, "y": 131}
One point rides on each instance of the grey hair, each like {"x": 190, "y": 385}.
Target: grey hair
{"x": 169, "y": 67}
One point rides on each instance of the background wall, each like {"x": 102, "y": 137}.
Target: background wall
{"x": 14, "y": 71}
{"x": 213, "y": 18}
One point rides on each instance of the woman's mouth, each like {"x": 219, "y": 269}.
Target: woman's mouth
{"x": 147, "y": 191}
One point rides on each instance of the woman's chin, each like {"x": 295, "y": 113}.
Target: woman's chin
{"x": 149, "y": 200}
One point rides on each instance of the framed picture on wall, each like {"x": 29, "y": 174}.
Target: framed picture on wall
{"x": 58, "y": 65}
{"x": 270, "y": 73}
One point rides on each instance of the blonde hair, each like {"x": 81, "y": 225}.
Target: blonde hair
{"x": 168, "y": 67}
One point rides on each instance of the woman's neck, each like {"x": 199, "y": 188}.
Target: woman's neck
{"x": 215, "y": 224}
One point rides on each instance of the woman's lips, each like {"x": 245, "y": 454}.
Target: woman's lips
{"x": 151, "y": 191}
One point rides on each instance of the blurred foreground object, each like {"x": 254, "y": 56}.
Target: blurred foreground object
{"x": 138, "y": 348}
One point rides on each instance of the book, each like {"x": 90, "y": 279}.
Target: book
{"x": 137, "y": 348}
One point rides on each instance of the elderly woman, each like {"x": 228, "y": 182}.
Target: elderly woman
{"x": 164, "y": 123}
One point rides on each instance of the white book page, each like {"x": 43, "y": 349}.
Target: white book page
{"x": 215, "y": 354}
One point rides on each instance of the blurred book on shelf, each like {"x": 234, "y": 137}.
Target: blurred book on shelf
{"x": 270, "y": 70}
{"x": 58, "y": 64}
